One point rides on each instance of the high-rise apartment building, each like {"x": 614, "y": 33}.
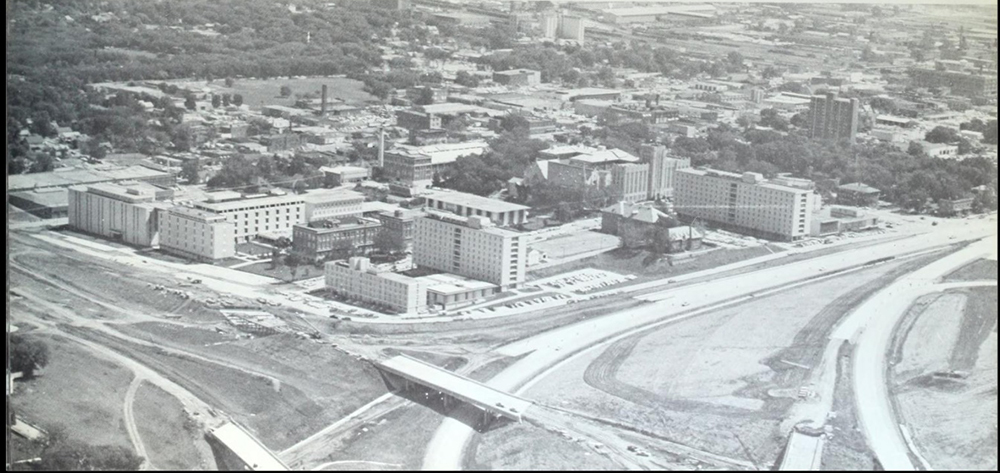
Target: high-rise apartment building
{"x": 196, "y": 234}
{"x": 274, "y": 213}
{"x": 662, "y": 169}
{"x": 470, "y": 246}
{"x": 833, "y": 118}
{"x": 745, "y": 203}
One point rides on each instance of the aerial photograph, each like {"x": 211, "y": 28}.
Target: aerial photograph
{"x": 501, "y": 235}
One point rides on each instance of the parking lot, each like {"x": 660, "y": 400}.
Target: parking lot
{"x": 583, "y": 280}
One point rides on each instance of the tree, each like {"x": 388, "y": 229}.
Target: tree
{"x": 190, "y": 103}
{"x": 942, "y": 134}
{"x": 237, "y": 99}
{"x": 191, "y": 171}
{"x": 990, "y": 133}
{"x": 226, "y": 100}
{"x": 41, "y": 162}
{"x": 425, "y": 96}
{"x": 516, "y": 124}
{"x": 388, "y": 242}
{"x": 229, "y": 82}
{"x": 463, "y": 78}
{"x": 279, "y": 245}
{"x": 236, "y": 172}
{"x": 27, "y": 354}
{"x": 915, "y": 149}
{"x": 216, "y": 101}
{"x": 770, "y": 72}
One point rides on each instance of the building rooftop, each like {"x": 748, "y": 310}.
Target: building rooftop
{"x": 747, "y": 178}
{"x": 858, "y": 187}
{"x": 316, "y": 196}
{"x": 133, "y": 192}
{"x": 50, "y": 198}
{"x": 442, "y": 153}
{"x": 484, "y": 224}
{"x": 18, "y": 182}
{"x": 248, "y": 201}
{"x": 195, "y": 214}
{"x": 605, "y": 156}
{"x": 474, "y": 201}
{"x": 340, "y": 224}
{"x": 444, "y": 283}
{"x": 645, "y": 11}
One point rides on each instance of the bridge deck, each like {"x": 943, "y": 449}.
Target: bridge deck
{"x": 256, "y": 456}
{"x": 457, "y": 386}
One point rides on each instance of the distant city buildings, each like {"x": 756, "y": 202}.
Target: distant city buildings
{"x": 833, "y": 118}
{"x": 961, "y": 83}
{"x": 518, "y": 77}
{"x": 745, "y": 203}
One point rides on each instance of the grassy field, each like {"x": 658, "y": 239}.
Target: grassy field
{"x": 978, "y": 270}
{"x": 282, "y": 271}
{"x": 79, "y": 393}
{"x": 260, "y": 92}
{"x": 646, "y": 265}
{"x": 953, "y": 421}
{"x": 705, "y": 382}
{"x": 169, "y": 435}
{"x": 514, "y": 447}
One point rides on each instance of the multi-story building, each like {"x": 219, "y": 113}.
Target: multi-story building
{"x": 518, "y": 77}
{"x": 334, "y": 238}
{"x": 572, "y": 28}
{"x": 630, "y": 182}
{"x": 341, "y": 175}
{"x": 549, "y": 24}
{"x": 196, "y": 234}
{"x": 120, "y": 212}
{"x": 470, "y": 246}
{"x": 357, "y": 278}
{"x": 399, "y": 225}
{"x": 833, "y": 118}
{"x": 274, "y": 213}
{"x": 662, "y": 169}
{"x": 322, "y": 204}
{"x": 964, "y": 84}
{"x": 745, "y": 203}
{"x": 462, "y": 204}
{"x": 415, "y": 166}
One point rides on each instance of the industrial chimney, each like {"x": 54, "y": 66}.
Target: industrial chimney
{"x": 381, "y": 147}
{"x": 322, "y": 102}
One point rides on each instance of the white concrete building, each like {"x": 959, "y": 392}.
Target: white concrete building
{"x": 470, "y": 246}
{"x": 462, "y": 204}
{"x": 745, "y": 203}
{"x": 120, "y": 212}
{"x": 324, "y": 204}
{"x": 357, "y": 278}
{"x": 274, "y": 213}
{"x": 196, "y": 234}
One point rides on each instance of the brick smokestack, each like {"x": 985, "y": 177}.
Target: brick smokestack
{"x": 322, "y": 103}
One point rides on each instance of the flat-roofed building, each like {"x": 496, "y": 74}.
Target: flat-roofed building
{"x": 462, "y": 204}
{"x": 833, "y": 118}
{"x": 322, "y": 204}
{"x": 273, "y": 213}
{"x": 518, "y": 77}
{"x": 470, "y": 246}
{"x": 448, "y": 291}
{"x": 340, "y": 175}
{"x": 120, "y": 212}
{"x": 662, "y": 169}
{"x": 196, "y": 234}
{"x": 358, "y": 278}
{"x": 630, "y": 182}
{"x": 334, "y": 238}
{"x": 858, "y": 194}
{"x": 399, "y": 224}
{"x": 415, "y": 166}
{"x": 966, "y": 84}
{"x": 744, "y": 203}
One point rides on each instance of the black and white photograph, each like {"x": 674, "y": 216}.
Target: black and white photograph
{"x": 271, "y": 235}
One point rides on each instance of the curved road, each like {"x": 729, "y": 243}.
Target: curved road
{"x": 446, "y": 449}
{"x": 873, "y": 323}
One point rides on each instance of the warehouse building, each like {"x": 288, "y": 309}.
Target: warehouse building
{"x": 127, "y": 213}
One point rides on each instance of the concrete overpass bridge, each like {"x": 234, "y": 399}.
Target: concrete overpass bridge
{"x": 405, "y": 372}
{"x": 236, "y": 449}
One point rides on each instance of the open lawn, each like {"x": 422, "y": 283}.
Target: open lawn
{"x": 170, "y": 436}
{"x": 952, "y": 419}
{"x": 983, "y": 269}
{"x": 283, "y": 271}
{"x": 79, "y": 393}
{"x": 706, "y": 382}
{"x": 647, "y": 266}
{"x": 260, "y": 92}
